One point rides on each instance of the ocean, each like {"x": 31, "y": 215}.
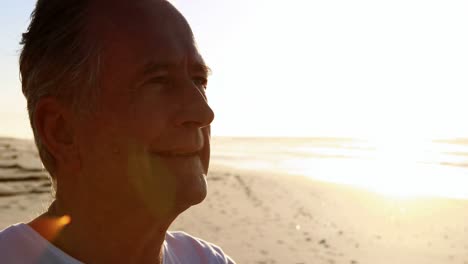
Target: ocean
{"x": 401, "y": 168}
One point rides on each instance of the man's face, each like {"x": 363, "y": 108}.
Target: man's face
{"x": 147, "y": 143}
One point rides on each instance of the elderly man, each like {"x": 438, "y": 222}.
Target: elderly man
{"x": 116, "y": 98}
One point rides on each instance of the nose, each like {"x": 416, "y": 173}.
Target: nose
{"x": 194, "y": 111}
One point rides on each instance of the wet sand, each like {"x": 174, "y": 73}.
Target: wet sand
{"x": 261, "y": 217}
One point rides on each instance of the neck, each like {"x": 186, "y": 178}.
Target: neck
{"x": 109, "y": 235}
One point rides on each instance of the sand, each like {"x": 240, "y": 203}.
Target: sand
{"x": 262, "y": 217}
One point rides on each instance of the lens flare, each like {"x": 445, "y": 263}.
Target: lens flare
{"x": 50, "y": 227}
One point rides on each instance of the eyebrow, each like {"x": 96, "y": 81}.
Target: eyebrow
{"x": 152, "y": 67}
{"x": 200, "y": 67}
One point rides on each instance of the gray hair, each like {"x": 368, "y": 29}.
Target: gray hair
{"x": 58, "y": 59}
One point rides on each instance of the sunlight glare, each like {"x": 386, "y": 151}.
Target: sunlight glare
{"x": 398, "y": 168}
{"x": 402, "y": 170}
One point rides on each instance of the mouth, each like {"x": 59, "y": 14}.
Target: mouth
{"x": 178, "y": 154}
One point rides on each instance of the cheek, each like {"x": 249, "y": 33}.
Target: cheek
{"x": 205, "y": 155}
{"x": 149, "y": 116}
{"x": 107, "y": 134}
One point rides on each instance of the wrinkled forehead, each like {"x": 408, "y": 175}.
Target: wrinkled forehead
{"x": 142, "y": 30}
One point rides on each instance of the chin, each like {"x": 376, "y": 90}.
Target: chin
{"x": 192, "y": 194}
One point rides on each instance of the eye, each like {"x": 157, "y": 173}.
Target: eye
{"x": 162, "y": 79}
{"x": 200, "y": 81}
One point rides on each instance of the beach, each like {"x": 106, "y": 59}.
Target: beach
{"x": 259, "y": 215}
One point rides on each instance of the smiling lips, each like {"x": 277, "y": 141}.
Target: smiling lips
{"x": 191, "y": 148}
{"x": 176, "y": 154}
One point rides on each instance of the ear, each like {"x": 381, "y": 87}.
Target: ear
{"x": 54, "y": 125}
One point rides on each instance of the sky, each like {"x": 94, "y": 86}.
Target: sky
{"x": 363, "y": 68}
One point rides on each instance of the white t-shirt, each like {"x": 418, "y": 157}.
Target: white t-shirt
{"x": 21, "y": 244}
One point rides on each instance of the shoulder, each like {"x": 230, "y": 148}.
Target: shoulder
{"x": 12, "y": 238}
{"x": 6, "y": 235}
{"x": 21, "y": 244}
{"x": 15, "y": 245}
{"x": 181, "y": 247}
